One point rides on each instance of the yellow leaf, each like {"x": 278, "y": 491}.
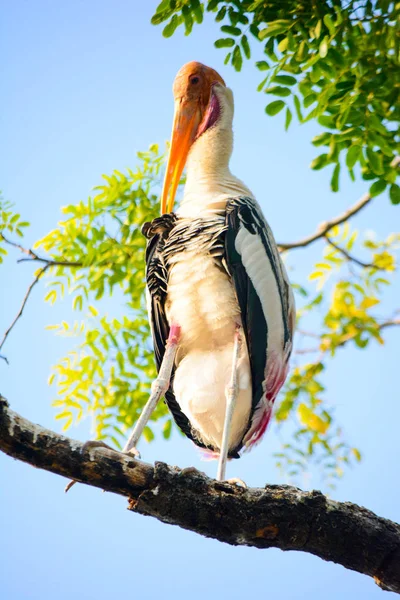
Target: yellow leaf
{"x": 334, "y": 232}
{"x": 93, "y": 310}
{"x": 368, "y": 302}
{"x": 311, "y": 420}
{"x": 316, "y": 275}
{"x": 384, "y": 260}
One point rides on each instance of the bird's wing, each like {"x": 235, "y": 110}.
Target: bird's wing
{"x": 266, "y": 303}
{"x": 156, "y": 293}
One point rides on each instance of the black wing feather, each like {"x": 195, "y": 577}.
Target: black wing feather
{"x": 253, "y": 319}
{"x": 157, "y": 280}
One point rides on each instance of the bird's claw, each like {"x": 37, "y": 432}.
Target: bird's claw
{"x": 237, "y": 481}
{"x": 92, "y": 444}
{"x": 133, "y": 452}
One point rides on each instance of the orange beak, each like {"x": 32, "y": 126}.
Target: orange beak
{"x": 187, "y": 119}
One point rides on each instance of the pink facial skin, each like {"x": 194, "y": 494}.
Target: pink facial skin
{"x": 211, "y": 116}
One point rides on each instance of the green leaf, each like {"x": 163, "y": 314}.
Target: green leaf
{"x": 310, "y": 99}
{"x": 329, "y": 23}
{"x": 283, "y": 45}
{"x": 262, "y": 65}
{"x": 227, "y": 58}
{"x": 375, "y": 161}
{"x": 148, "y": 434}
{"x": 212, "y": 5}
{"x": 170, "y": 28}
{"x": 394, "y": 194}
{"x": 335, "y": 178}
{"x": 278, "y": 90}
{"x": 261, "y": 84}
{"x": 237, "y": 60}
{"x": 221, "y": 14}
{"x": 188, "y": 19}
{"x": 377, "y": 187}
{"x": 323, "y": 47}
{"x": 322, "y": 139}
{"x": 231, "y": 30}
{"x": 274, "y": 28}
{"x": 297, "y": 106}
{"x": 353, "y": 154}
{"x": 274, "y": 107}
{"x": 302, "y": 52}
{"x": 245, "y": 46}
{"x": 319, "y": 162}
{"x": 318, "y": 29}
{"x": 167, "y": 429}
{"x": 224, "y": 43}
{"x": 288, "y": 118}
{"x": 284, "y": 79}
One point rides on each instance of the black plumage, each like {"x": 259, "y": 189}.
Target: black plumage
{"x": 216, "y": 236}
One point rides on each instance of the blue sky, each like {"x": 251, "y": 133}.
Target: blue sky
{"x": 86, "y": 85}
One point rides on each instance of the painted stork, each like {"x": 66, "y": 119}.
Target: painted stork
{"x": 220, "y": 304}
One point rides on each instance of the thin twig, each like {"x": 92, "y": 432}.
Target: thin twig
{"x": 307, "y": 350}
{"x": 51, "y": 263}
{"x": 28, "y": 251}
{"x": 352, "y": 258}
{"x": 389, "y": 323}
{"x": 33, "y": 257}
{"x": 324, "y": 228}
{"x": 307, "y": 333}
{"x": 21, "y": 310}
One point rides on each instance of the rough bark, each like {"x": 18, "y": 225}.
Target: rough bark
{"x": 277, "y": 516}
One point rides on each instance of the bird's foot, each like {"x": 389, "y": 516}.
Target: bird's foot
{"x": 133, "y": 452}
{"x": 92, "y": 444}
{"x": 237, "y": 481}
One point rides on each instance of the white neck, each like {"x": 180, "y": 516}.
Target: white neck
{"x": 209, "y": 182}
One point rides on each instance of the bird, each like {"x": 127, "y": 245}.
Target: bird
{"x": 220, "y": 304}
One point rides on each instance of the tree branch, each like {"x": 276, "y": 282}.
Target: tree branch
{"x": 21, "y": 310}
{"x": 352, "y": 258}
{"x": 275, "y": 516}
{"x": 33, "y": 257}
{"x": 389, "y": 323}
{"x": 325, "y": 227}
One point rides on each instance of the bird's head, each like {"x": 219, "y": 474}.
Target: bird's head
{"x": 200, "y": 96}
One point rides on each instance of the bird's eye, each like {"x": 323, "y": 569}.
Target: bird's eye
{"x": 194, "y": 80}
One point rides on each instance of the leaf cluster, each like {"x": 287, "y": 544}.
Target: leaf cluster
{"x": 333, "y": 61}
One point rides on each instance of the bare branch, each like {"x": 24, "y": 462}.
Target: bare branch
{"x": 21, "y": 310}
{"x": 33, "y": 257}
{"x": 52, "y": 263}
{"x": 15, "y": 245}
{"x": 307, "y": 350}
{"x": 352, "y": 258}
{"x": 348, "y": 338}
{"x": 277, "y": 516}
{"x": 324, "y": 228}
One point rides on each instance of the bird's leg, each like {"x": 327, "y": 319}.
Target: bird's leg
{"x": 231, "y": 396}
{"x": 158, "y": 389}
